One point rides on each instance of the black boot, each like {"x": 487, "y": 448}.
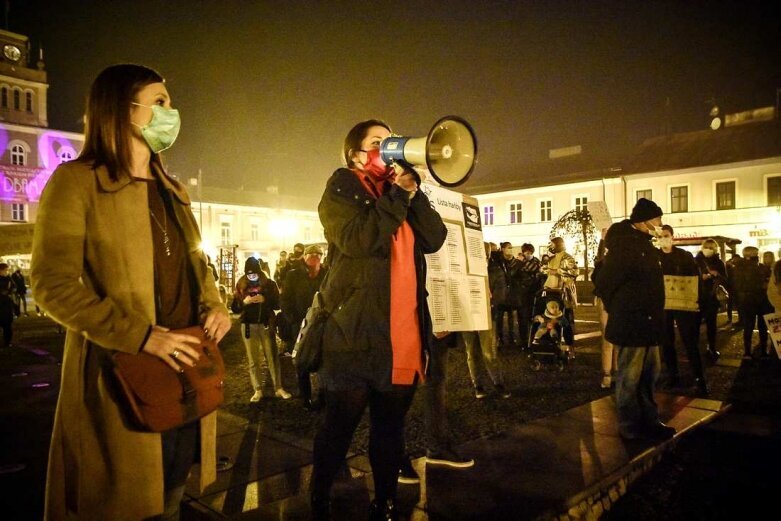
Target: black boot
{"x": 383, "y": 511}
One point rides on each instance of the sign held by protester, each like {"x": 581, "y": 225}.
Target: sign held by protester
{"x": 457, "y": 275}
{"x": 773, "y": 321}
{"x": 599, "y": 214}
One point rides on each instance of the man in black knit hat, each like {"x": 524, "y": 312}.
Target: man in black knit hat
{"x": 631, "y": 286}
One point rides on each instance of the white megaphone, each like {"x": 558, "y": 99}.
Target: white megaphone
{"x": 449, "y": 151}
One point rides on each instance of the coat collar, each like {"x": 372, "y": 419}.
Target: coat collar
{"x": 109, "y": 185}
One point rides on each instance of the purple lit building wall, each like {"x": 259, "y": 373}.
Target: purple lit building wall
{"x": 29, "y": 150}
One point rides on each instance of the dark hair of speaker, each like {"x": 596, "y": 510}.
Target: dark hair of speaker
{"x": 352, "y": 142}
{"x": 107, "y": 137}
{"x": 668, "y": 228}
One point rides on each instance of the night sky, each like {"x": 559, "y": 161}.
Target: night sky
{"x": 267, "y": 90}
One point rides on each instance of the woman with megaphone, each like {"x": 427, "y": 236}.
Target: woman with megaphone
{"x": 376, "y": 340}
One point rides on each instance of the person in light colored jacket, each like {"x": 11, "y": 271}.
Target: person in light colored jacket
{"x": 116, "y": 260}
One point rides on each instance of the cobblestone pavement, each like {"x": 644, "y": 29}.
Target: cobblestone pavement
{"x": 29, "y": 382}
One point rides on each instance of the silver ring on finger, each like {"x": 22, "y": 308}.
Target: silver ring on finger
{"x": 175, "y": 353}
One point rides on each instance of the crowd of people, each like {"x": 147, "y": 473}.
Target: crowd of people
{"x": 378, "y": 341}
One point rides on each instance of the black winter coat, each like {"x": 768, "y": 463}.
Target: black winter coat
{"x": 298, "y": 295}
{"x": 258, "y": 313}
{"x": 359, "y": 230}
{"x": 708, "y": 300}
{"x": 631, "y": 285}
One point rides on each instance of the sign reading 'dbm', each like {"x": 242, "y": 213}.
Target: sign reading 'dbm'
{"x": 22, "y": 184}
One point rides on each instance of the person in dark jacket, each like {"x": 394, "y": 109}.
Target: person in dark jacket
{"x": 713, "y": 273}
{"x": 20, "y": 292}
{"x": 379, "y": 226}
{"x": 729, "y": 266}
{"x": 609, "y": 352}
{"x": 512, "y": 300}
{"x": 482, "y": 346}
{"x": 7, "y": 289}
{"x": 631, "y": 285}
{"x": 678, "y": 262}
{"x": 529, "y": 282}
{"x": 259, "y": 299}
{"x": 751, "y": 282}
{"x": 300, "y": 288}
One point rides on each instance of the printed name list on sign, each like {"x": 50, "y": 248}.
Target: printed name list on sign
{"x": 457, "y": 275}
{"x": 773, "y": 321}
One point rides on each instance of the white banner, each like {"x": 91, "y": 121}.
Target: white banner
{"x": 773, "y": 321}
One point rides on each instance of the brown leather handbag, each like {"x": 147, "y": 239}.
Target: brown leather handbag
{"x": 157, "y": 398}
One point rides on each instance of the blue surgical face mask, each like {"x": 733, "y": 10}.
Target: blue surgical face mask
{"x": 161, "y": 132}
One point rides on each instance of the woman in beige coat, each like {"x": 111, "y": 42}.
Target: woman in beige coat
{"x": 117, "y": 261}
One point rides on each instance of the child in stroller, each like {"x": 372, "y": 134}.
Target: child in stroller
{"x": 548, "y": 323}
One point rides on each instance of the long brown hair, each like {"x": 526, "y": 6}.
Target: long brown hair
{"x": 107, "y": 118}
{"x": 352, "y": 143}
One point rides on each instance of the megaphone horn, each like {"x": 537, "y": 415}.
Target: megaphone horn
{"x": 449, "y": 151}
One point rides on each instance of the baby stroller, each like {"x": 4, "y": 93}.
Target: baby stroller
{"x": 547, "y": 327}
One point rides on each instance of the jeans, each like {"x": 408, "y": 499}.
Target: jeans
{"x": 525, "y": 321}
{"x": 262, "y": 355}
{"x": 487, "y": 353}
{"x": 435, "y": 398}
{"x": 499, "y": 322}
{"x": 609, "y": 352}
{"x": 688, "y": 327}
{"x": 749, "y": 316}
{"x": 638, "y": 368}
{"x": 709, "y": 316}
{"x": 179, "y": 449}
{"x": 569, "y": 328}
{"x": 343, "y": 411}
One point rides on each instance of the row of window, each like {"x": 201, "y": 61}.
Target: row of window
{"x": 19, "y": 154}
{"x": 17, "y": 98}
{"x": 516, "y": 211}
{"x": 679, "y": 201}
{"x": 226, "y": 233}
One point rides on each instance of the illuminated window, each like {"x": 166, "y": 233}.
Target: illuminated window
{"x": 28, "y": 101}
{"x": 774, "y": 191}
{"x": 17, "y": 99}
{"x": 225, "y": 233}
{"x": 18, "y": 155}
{"x": 581, "y": 203}
{"x": 18, "y": 212}
{"x": 725, "y": 195}
{"x": 546, "y": 211}
{"x": 254, "y": 232}
{"x": 516, "y": 213}
{"x": 679, "y": 199}
{"x": 644, "y": 194}
{"x": 4, "y": 97}
{"x": 307, "y": 234}
{"x": 488, "y": 215}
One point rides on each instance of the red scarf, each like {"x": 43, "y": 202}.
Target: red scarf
{"x": 404, "y": 324}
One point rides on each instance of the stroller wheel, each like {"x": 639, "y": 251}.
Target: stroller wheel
{"x": 535, "y": 364}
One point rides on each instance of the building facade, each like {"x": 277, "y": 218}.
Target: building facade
{"x": 29, "y": 150}
{"x": 714, "y": 183}
{"x": 258, "y": 224}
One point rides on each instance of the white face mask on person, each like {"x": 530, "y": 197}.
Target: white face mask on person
{"x": 654, "y": 231}
{"x": 708, "y": 252}
{"x": 253, "y": 277}
{"x": 666, "y": 242}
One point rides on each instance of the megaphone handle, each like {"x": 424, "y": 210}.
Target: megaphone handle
{"x": 410, "y": 170}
